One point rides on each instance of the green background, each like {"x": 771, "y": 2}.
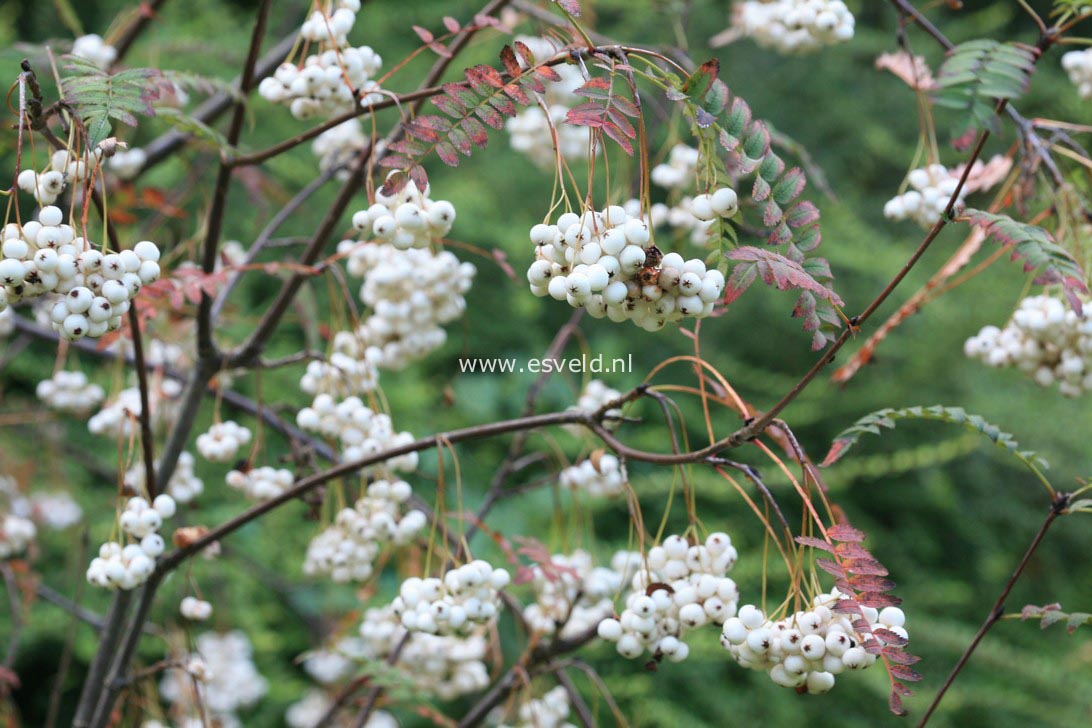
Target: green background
{"x": 947, "y": 514}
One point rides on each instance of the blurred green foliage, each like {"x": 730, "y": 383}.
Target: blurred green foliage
{"x": 950, "y": 520}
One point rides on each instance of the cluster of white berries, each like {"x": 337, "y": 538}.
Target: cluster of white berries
{"x": 64, "y": 169}
{"x": 331, "y": 25}
{"x": 222, "y": 672}
{"x": 222, "y": 441}
{"x": 308, "y": 712}
{"x": 338, "y": 146}
{"x": 329, "y": 82}
{"x": 795, "y": 26}
{"x": 16, "y": 533}
{"x": 679, "y": 171}
{"x": 571, "y": 591}
{"x": 549, "y": 711}
{"x": 261, "y": 484}
{"x": 684, "y": 587}
{"x": 1044, "y": 339}
{"x": 194, "y": 609}
{"x": 118, "y": 418}
{"x": 56, "y": 510}
{"x": 409, "y": 218}
{"x": 93, "y": 48}
{"x": 45, "y": 256}
{"x": 599, "y": 261}
{"x": 127, "y": 163}
{"x": 529, "y": 130}
{"x": 411, "y": 294}
{"x": 70, "y": 392}
{"x": 932, "y": 188}
{"x": 807, "y": 649}
{"x": 595, "y": 395}
{"x": 347, "y": 550}
{"x": 127, "y": 567}
{"x": 359, "y": 430}
{"x": 603, "y": 475}
{"x": 183, "y": 486}
{"x": 329, "y": 665}
{"x": 466, "y": 597}
{"x": 446, "y": 666}
{"x": 349, "y": 370}
{"x": 1078, "y": 64}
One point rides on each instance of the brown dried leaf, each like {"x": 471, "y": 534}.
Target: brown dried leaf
{"x": 912, "y": 70}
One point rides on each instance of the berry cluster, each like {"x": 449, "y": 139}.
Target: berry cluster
{"x": 223, "y": 675}
{"x": 54, "y": 510}
{"x": 348, "y": 549}
{"x": 359, "y": 430}
{"x": 549, "y": 711}
{"x": 183, "y": 486}
{"x": 1044, "y": 339}
{"x": 1078, "y": 64}
{"x": 118, "y": 418}
{"x": 127, "y": 567}
{"x": 308, "y": 712}
{"x": 64, "y": 169}
{"x": 16, "y": 533}
{"x": 336, "y": 147}
{"x": 409, "y": 218}
{"x": 679, "y": 171}
{"x": 604, "y": 262}
{"x": 127, "y": 163}
{"x": 795, "y": 26}
{"x": 530, "y": 130}
{"x": 327, "y": 666}
{"x": 331, "y": 25}
{"x": 222, "y": 441}
{"x": 45, "y": 256}
{"x": 261, "y": 484}
{"x": 683, "y": 587}
{"x": 932, "y": 188}
{"x": 194, "y": 609}
{"x": 446, "y": 666}
{"x": 806, "y": 650}
{"x": 596, "y": 395}
{"x": 599, "y": 476}
{"x": 349, "y": 370}
{"x": 572, "y": 592}
{"x": 466, "y": 597}
{"x": 70, "y": 392}
{"x": 411, "y": 294}
{"x": 330, "y": 82}
{"x": 93, "y": 48}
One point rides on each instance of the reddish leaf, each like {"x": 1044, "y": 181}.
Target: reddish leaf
{"x": 870, "y": 583}
{"x": 626, "y": 106}
{"x": 475, "y": 131}
{"x": 847, "y": 606}
{"x": 831, "y": 567}
{"x": 490, "y": 116}
{"x": 419, "y": 176}
{"x": 451, "y": 24}
{"x": 572, "y": 7}
{"x": 439, "y": 49}
{"x": 548, "y": 73}
{"x": 890, "y": 638}
{"x": 447, "y": 154}
{"x": 611, "y": 130}
{"x": 894, "y": 702}
{"x": 395, "y": 183}
{"x": 801, "y": 214}
{"x": 510, "y": 62}
{"x": 484, "y": 79}
{"x": 461, "y": 141}
{"x": 595, "y": 88}
{"x": 845, "y": 532}
{"x": 778, "y": 270}
{"x": 516, "y": 93}
{"x": 503, "y": 105}
{"x": 525, "y": 53}
{"x": 424, "y": 34}
{"x": 815, "y": 543}
{"x": 901, "y": 689}
{"x": 865, "y": 566}
{"x": 878, "y": 600}
{"x": 850, "y": 550}
{"x": 904, "y": 673}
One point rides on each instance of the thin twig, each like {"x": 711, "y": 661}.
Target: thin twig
{"x": 1056, "y": 509}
